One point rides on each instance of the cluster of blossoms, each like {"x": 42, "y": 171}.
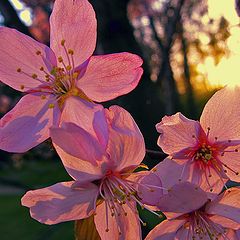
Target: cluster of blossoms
{"x": 101, "y": 148}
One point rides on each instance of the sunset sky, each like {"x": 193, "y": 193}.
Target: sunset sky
{"x": 226, "y": 72}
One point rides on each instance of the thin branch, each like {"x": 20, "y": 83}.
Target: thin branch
{"x": 156, "y": 154}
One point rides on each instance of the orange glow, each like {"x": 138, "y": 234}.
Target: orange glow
{"x": 226, "y": 72}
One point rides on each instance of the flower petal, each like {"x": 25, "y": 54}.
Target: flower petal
{"x": 128, "y": 225}
{"x": 77, "y": 142}
{"x": 61, "y": 202}
{"x": 27, "y": 124}
{"x": 233, "y": 235}
{"x": 110, "y": 76}
{"x": 176, "y": 133}
{"x": 221, "y": 114}
{"x": 150, "y": 187}
{"x": 226, "y": 205}
{"x": 83, "y": 171}
{"x": 223, "y": 221}
{"x": 67, "y": 19}
{"x": 87, "y": 115}
{"x": 18, "y": 51}
{"x": 126, "y": 145}
{"x": 182, "y": 198}
{"x": 166, "y": 230}
{"x": 186, "y": 171}
{"x": 231, "y": 160}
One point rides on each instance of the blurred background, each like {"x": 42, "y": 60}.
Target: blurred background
{"x": 190, "y": 49}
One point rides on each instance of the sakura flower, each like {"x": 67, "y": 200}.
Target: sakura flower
{"x": 51, "y": 76}
{"x": 104, "y": 182}
{"x": 191, "y": 215}
{"x": 206, "y": 152}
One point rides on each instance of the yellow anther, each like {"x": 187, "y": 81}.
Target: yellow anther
{"x": 19, "y": 70}
{"x": 75, "y": 75}
{"x": 51, "y": 105}
{"x": 70, "y": 51}
{"x": 43, "y": 97}
{"x": 144, "y": 224}
{"x": 60, "y": 59}
{"x": 22, "y": 87}
{"x": 63, "y": 42}
{"x": 68, "y": 67}
{"x": 38, "y": 52}
{"x": 208, "y": 156}
{"x": 41, "y": 68}
{"x": 34, "y": 76}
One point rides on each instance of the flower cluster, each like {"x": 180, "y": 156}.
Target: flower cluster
{"x": 101, "y": 149}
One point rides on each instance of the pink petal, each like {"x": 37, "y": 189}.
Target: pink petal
{"x": 110, "y": 76}
{"x": 18, "y": 51}
{"x": 166, "y": 230}
{"x": 129, "y": 225}
{"x": 226, "y": 205}
{"x": 233, "y": 235}
{"x": 187, "y": 171}
{"x": 223, "y": 221}
{"x": 74, "y": 22}
{"x": 83, "y": 171}
{"x": 221, "y": 114}
{"x": 176, "y": 133}
{"x": 27, "y": 124}
{"x": 61, "y": 202}
{"x": 232, "y": 162}
{"x": 126, "y": 145}
{"x": 184, "y": 233}
{"x": 150, "y": 188}
{"x": 77, "y": 142}
{"x": 89, "y": 116}
{"x": 182, "y": 198}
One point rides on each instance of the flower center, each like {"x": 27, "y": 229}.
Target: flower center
{"x": 119, "y": 194}
{"x": 60, "y": 80}
{"x": 201, "y": 227}
{"x": 204, "y": 153}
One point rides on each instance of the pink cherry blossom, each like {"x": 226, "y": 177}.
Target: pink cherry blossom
{"x": 206, "y": 152}
{"x": 51, "y": 76}
{"x": 101, "y": 162}
{"x": 191, "y": 215}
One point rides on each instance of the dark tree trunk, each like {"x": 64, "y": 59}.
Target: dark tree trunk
{"x": 187, "y": 80}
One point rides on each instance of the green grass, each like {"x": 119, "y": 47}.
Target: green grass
{"x": 15, "y": 221}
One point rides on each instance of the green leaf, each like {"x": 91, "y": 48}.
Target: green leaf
{"x": 85, "y": 229}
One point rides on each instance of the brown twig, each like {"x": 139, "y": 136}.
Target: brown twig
{"x": 156, "y": 154}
